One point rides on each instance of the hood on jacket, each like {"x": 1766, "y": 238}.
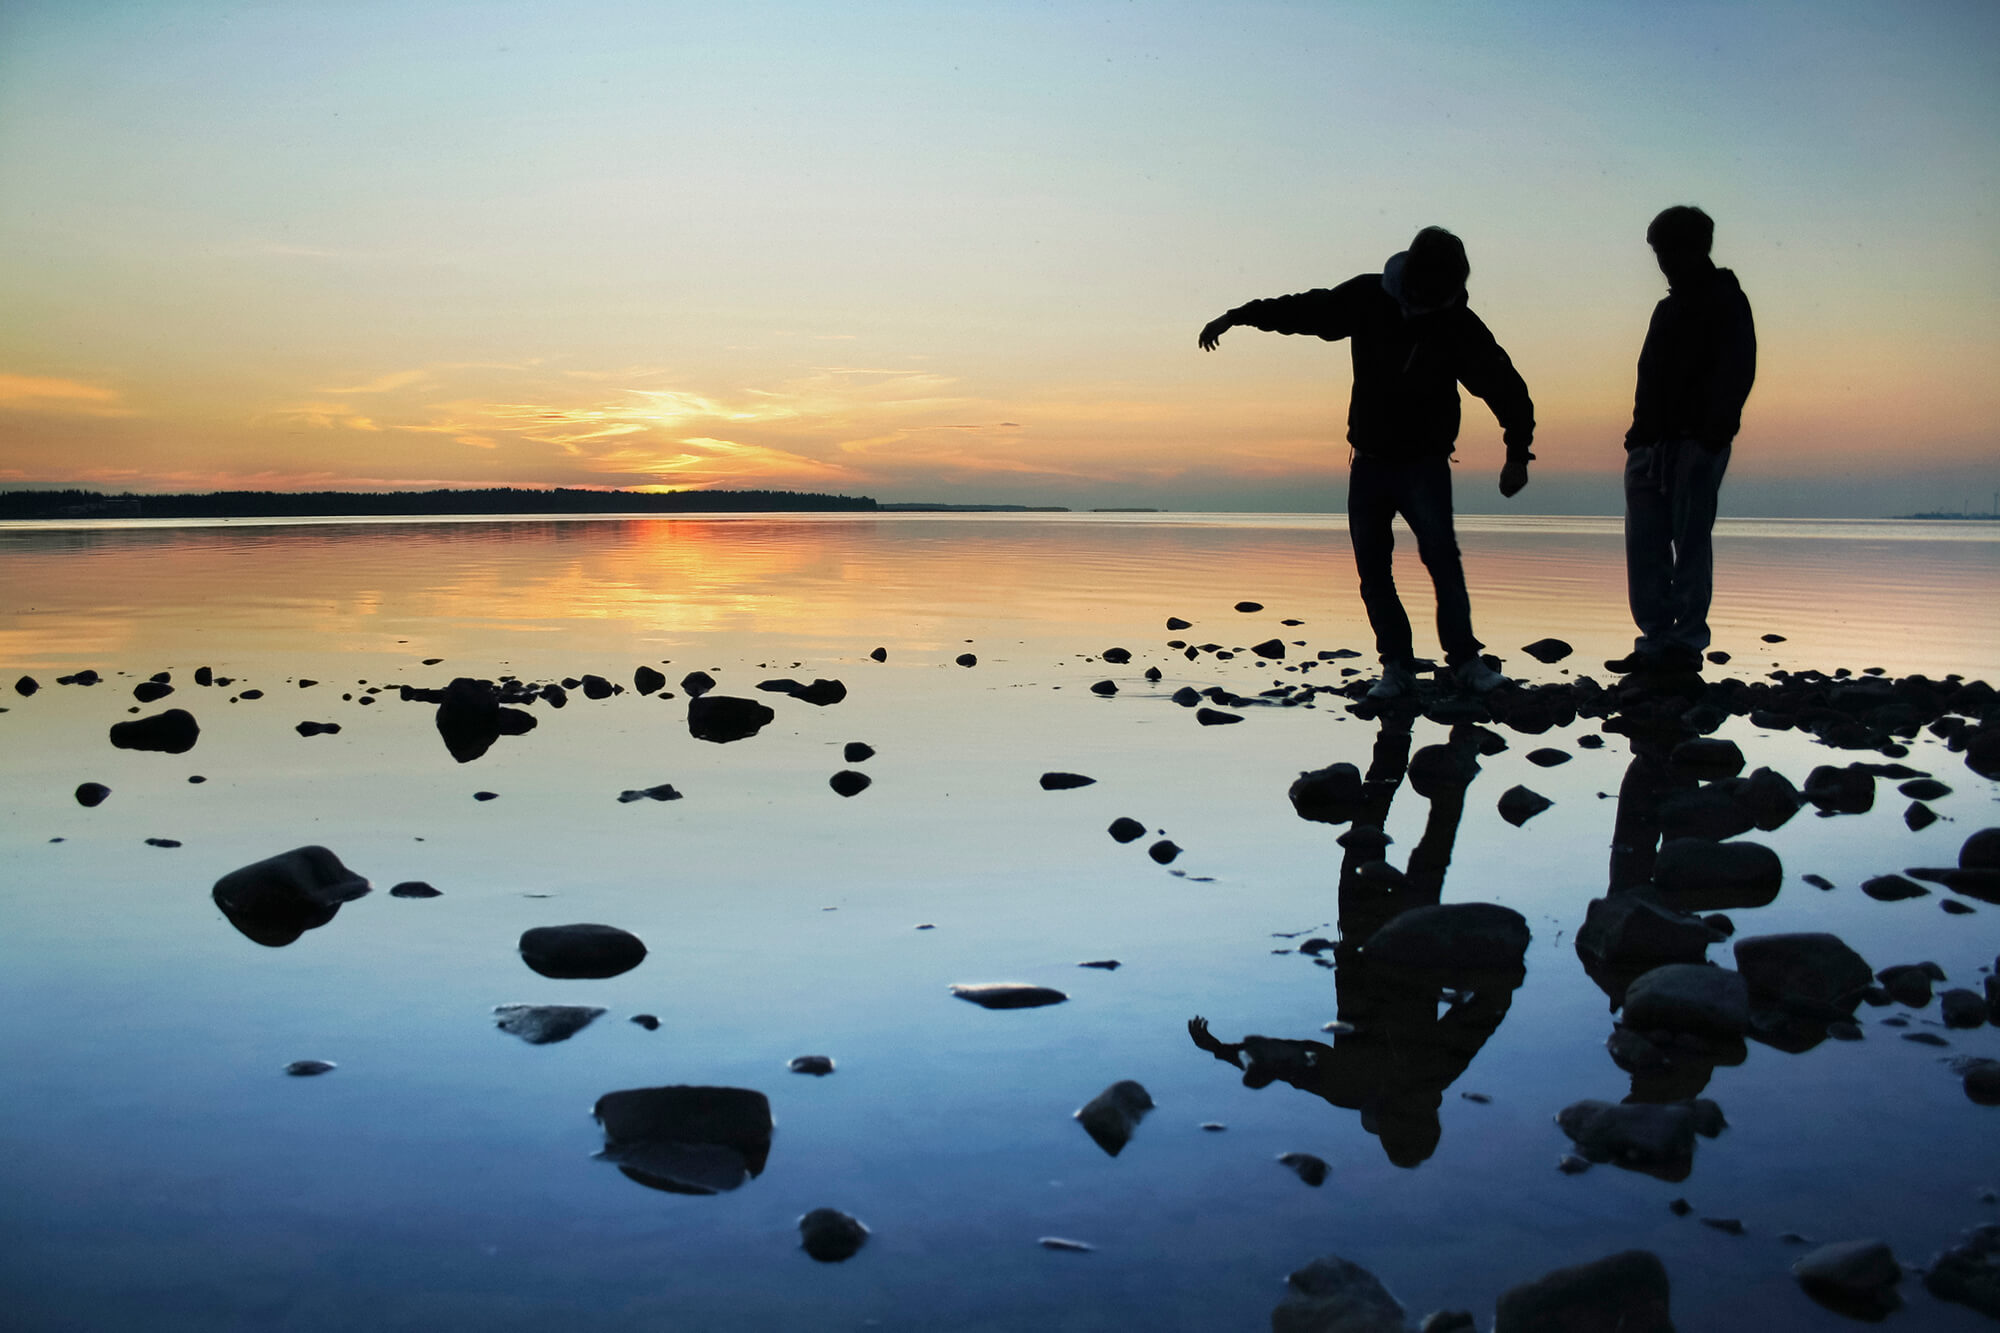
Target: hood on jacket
{"x": 1392, "y": 283}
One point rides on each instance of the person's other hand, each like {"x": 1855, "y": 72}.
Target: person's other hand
{"x": 1212, "y": 331}
{"x": 1513, "y": 478}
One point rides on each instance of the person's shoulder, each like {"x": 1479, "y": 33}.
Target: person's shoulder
{"x": 1361, "y": 284}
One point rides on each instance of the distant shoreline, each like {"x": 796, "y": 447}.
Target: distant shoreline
{"x": 494, "y": 501}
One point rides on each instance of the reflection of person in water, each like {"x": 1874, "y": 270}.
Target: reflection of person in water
{"x": 1402, "y": 1053}
{"x": 1635, "y": 838}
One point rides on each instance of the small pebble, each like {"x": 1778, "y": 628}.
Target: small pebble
{"x": 308, "y": 1068}
{"x": 647, "y": 1021}
{"x": 1680, "y": 1207}
{"x": 1478, "y": 1097}
{"x": 1572, "y": 1165}
{"x": 819, "y": 1066}
{"x": 1730, "y": 1225}
{"x": 1925, "y": 1038}
{"x": 1065, "y": 1245}
{"x": 1213, "y": 1126}
{"x": 1107, "y": 964}
{"x": 485, "y": 795}
{"x": 163, "y": 842}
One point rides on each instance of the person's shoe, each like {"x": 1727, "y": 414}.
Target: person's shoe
{"x": 1475, "y": 677}
{"x": 1398, "y": 682}
{"x": 1633, "y": 663}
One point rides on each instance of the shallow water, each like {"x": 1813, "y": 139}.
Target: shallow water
{"x": 162, "y": 1172}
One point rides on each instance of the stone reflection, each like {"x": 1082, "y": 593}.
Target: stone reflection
{"x": 1417, "y": 1007}
{"x": 684, "y": 1139}
{"x": 276, "y": 900}
{"x": 470, "y": 717}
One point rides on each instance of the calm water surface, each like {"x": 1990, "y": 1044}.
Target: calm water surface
{"x": 161, "y": 1172}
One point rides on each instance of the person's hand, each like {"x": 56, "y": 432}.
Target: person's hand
{"x": 1212, "y": 332}
{"x": 1513, "y": 478}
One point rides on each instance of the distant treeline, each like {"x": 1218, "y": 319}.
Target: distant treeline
{"x": 496, "y": 500}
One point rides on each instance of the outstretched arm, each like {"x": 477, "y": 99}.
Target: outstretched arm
{"x": 1212, "y": 331}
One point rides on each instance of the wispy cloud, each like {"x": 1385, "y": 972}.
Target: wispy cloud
{"x": 48, "y": 393}
{"x": 399, "y": 379}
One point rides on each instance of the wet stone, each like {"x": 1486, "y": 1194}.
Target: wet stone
{"x": 650, "y": 1022}
{"x": 172, "y": 732}
{"x": 1548, "y": 650}
{"x": 146, "y": 691}
{"x": 1893, "y": 888}
{"x": 648, "y": 680}
{"x": 310, "y": 1068}
{"x": 1333, "y": 1295}
{"x": 1519, "y": 804}
{"x": 879, "y": 655}
{"x": 849, "y": 782}
{"x": 1969, "y": 1272}
{"x": 1272, "y": 649}
{"x": 1307, "y": 1167}
{"x": 1249, "y": 607}
{"x": 1813, "y": 974}
{"x": 1064, "y": 1245}
{"x": 664, "y": 792}
{"x": 163, "y": 842}
{"x": 1103, "y": 964}
{"x": 1065, "y": 781}
{"x": 819, "y": 1066}
{"x": 318, "y": 728}
{"x": 414, "y": 888}
{"x": 686, "y": 1139}
{"x": 1697, "y": 874}
{"x": 855, "y": 752}
{"x": 697, "y": 683}
{"x": 966, "y": 660}
{"x": 1924, "y": 789}
{"x": 1164, "y": 851}
{"x": 544, "y": 1024}
{"x": 1210, "y": 717}
{"x": 1962, "y": 1008}
{"x": 276, "y": 900}
{"x": 1919, "y": 817}
{"x": 1628, "y": 1292}
{"x": 91, "y": 794}
{"x": 831, "y": 1236}
{"x": 1009, "y": 995}
{"x": 722, "y": 718}
{"x": 1126, "y": 829}
{"x": 26, "y": 686}
{"x": 583, "y": 951}
{"x": 1655, "y": 1139}
{"x": 1111, "y": 1117}
{"x": 1548, "y": 757}
{"x": 1330, "y": 795}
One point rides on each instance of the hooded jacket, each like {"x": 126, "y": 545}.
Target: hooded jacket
{"x": 1407, "y": 364}
{"x": 1697, "y": 365}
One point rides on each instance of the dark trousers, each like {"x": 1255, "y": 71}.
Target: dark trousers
{"x": 1670, "y": 493}
{"x": 1419, "y": 489}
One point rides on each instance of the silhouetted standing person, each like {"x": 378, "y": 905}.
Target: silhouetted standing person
{"x": 1414, "y": 342}
{"x": 1695, "y": 373}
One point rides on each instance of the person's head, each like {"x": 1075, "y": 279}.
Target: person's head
{"x": 1434, "y": 270}
{"x": 1681, "y": 237}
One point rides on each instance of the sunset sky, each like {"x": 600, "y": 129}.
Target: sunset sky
{"x": 960, "y": 252}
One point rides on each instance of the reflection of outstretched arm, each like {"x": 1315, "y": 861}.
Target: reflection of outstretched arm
{"x": 1223, "y": 1051}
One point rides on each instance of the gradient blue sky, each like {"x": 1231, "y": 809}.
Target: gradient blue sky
{"x": 960, "y": 252}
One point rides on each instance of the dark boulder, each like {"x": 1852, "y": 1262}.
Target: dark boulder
{"x": 1910, "y": 983}
{"x": 1812, "y": 974}
{"x": 1981, "y": 851}
{"x": 1311, "y": 1169}
{"x": 1969, "y": 1272}
{"x": 318, "y": 728}
{"x": 1520, "y": 804}
{"x": 1689, "y": 997}
{"x": 1104, "y": 689}
{"x": 1270, "y": 648}
{"x": 1695, "y": 874}
{"x": 1548, "y": 650}
{"x": 1626, "y": 1292}
{"x": 1331, "y": 1295}
{"x": 848, "y": 782}
{"x": 1713, "y": 813}
{"x": 1164, "y": 851}
{"x": 831, "y": 1236}
{"x": 1924, "y": 789}
{"x": 1453, "y": 937}
{"x": 1008, "y": 995}
{"x": 1210, "y": 717}
{"x": 855, "y": 752}
{"x": 597, "y": 687}
{"x": 1962, "y": 1008}
{"x": 686, "y": 1140}
{"x": 172, "y": 732}
{"x": 1627, "y": 930}
{"x": 584, "y": 951}
{"x": 1769, "y": 796}
{"x": 647, "y": 680}
{"x": 664, "y": 792}
{"x": 1708, "y": 757}
{"x": 1112, "y": 1115}
{"x": 1187, "y": 696}
{"x": 26, "y": 686}
{"x": 819, "y": 1066}
{"x": 1854, "y": 1277}
{"x": 1126, "y": 829}
{"x": 91, "y": 794}
{"x": 722, "y": 718}
{"x": 1175, "y": 622}
{"x": 1249, "y": 607}
{"x": 1893, "y": 888}
{"x": 146, "y": 691}
{"x": 697, "y": 683}
{"x": 414, "y": 888}
{"x": 1548, "y": 757}
{"x": 470, "y": 718}
{"x": 1657, "y": 1140}
{"x": 278, "y": 899}
{"x": 543, "y": 1024}
{"x": 1330, "y": 795}
{"x": 966, "y": 660}
{"x": 1841, "y": 791}
{"x": 1116, "y": 656}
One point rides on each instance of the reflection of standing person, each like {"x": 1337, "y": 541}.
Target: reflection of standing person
{"x": 1695, "y": 372}
{"x": 1414, "y": 342}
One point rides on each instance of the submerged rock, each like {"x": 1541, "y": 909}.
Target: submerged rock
{"x": 542, "y": 1024}
{"x": 1332, "y": 1295}
{"x": 1689, "y": 997}
{"x": 1627, "y": 1292}
{"x": 819, "y": 1066}
{"x": 831, "y": 1236}
{"x": 684, "y": 1139}
{"x": 1969, "y": 1272}
{"x": 1112, "y": 1115}
{"x": 278, "y": 899}
{"x": 1311, "y": 1169}
{"x": 721, "y": 718}
{"x": 1458, "y": 937}
{"x": 1008, "y": 995}
{"x": 172, "y": 732}
{"x": 1813, "y": 974}
{"x": 1699, "y": 875}
{"x": 583, "y": 951}
{"x": 1657, "y": 1140}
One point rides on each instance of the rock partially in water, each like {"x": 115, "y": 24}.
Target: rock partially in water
{"x": 278, "y": 899}
{"x": 1113, "y": 1114}
{"x": 1548, "y": 757}
{"x": 90, "y": 795}
{"x": 1919, "y": 817}
{"x": 414, "y": 888}
{"x": 1008, "y": 995}
{"x": 684, "y": 1139}
{"x": 1333, "y": 1295}
{"x": 1627, "y": 1292}
{"x": 1969, "y": 1272}
{"x": 1924, "y": 789}
{"x": 1175, "y": 622}
{"x": 819, "y": 1066}
{"x": 310, "y": 1068}
{"x": 172, "y": 732}
{"x": 1330, "y": 795}
{"x": 1628, "y": 930}
{"x": 1893, "y": 888}
{"x": 849, "y": 782}
{"x": 1981, "y": 851}
{"x": 583, "y": 951}
{"x": 967, "y": 660}
{"x": 664, "y": 792}
{"x": 1689, "y": 997}
{"x": 1214, "y": 717}
{"x": 470, "y": 718}
{"x": 697, "y": 683}
{"x": 597, "y": 687}
{"x": 1548, "y": 650}
{"x": 146, "y": 691}
{"x": 1982, "y": 1079}
{"x": 650, "y": 1022}
{"x": 1657, "y": 1140}
{"x": 1697, "y": 875}
{"x": 1453, "y": 937}
{"x": 647, "y": 680}
{"x": 855, "y": 752}
{"x": 1520, "y": 804}
{"x": 1708, "y": 757}
{"x": 1813, "y": 974}
{"x": 1272, "y": 649}
{"x": 1841, "y": 791}
{"x": 1962, "y": 1008}
{"x": 1910, "y": 983}
{"x": 878, "y": 654}
{"x": 1125, "y": 829}
{"x": 1065, "y": 781}
{"x": 1307, "y": 1167}
{"x": 1713, "y": 812}
{"x": 542, "y": 1024}
{"x": 1103, "y": 964}
{"x": 318, "y": 728}
{"x": 1164, "y": 851}
{"x": 831, "y": 1236}
{"x": 722, "y": 718}
{"x": 1248, "y": 607}
{"x": 26, "y": 686}
{"x": 1769, "y": 796}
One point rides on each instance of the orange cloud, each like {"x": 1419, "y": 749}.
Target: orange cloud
{"x": 47, "y": 393}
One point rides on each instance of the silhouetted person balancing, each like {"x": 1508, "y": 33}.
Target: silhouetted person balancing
{"x": 1695, "y": 372}
{"x": 1414, "y": 342}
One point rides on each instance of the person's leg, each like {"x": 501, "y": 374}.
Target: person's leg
{"x": 1649, "y": 554}
{"x": 1695, "y": 484}
{"x": 1371, "y": 511}
{"x": 1426, "y": 505}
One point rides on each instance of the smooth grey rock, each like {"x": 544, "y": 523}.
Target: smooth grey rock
{"x": 1698, "y": 875}
{"x": 1689, "y": 997}
{"x": 685, "y": 1139}
{"x": 1332, "y": 1295}
{"x": 583, "y": 951}
{"x": 542, "y": 1024}
{"x": 1620, "y": 1293}
{"x": 1454, "y": 937}
{"x": 831, "y": 1236}
{"x": 1655, "y": 1139}
{"x": 1813, "y": 974}
{"x": 1628, "y": 929}
{"x": 1008, "y": 995}
{"x": 1112, "y": 1115}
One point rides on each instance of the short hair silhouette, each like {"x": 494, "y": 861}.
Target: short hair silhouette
{"x": 1682, "y": 229}
{"x": 1436, "y": 269}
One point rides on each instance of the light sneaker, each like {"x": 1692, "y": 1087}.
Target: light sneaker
{"x": 1398, "y": 682}
{"x": 1475, "y": 677}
